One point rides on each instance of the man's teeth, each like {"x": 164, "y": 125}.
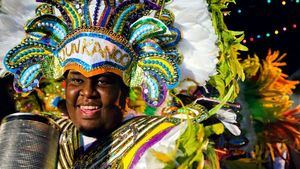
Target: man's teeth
{"x": 89, "y": 107}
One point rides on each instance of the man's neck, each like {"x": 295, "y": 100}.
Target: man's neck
{"x": 87, "y": 141}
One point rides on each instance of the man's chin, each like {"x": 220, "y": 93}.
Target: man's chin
{"x": 93, "y": 132}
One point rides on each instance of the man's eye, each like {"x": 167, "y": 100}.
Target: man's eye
{"x": 76, "y": 81}
{"x": 103, "y": 82}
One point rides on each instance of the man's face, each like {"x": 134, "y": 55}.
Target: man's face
{"x": 93, "y": 103}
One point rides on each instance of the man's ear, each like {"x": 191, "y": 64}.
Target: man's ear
{"x": 124, "y": 93}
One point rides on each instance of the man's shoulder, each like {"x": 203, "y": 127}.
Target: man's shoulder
{"x": 127, "y": 142}
{"x": 65, "y": 124}
{"x": 147, "y": 120}
{"x": 69, "y": 143}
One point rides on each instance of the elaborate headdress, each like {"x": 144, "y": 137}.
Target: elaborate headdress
{"x": 134, "y": 39}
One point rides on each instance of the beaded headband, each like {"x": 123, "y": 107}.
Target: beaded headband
{"x": 95, "y": 51}
{"x": 124, "y": 37}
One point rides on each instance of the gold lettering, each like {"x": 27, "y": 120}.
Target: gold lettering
{"x": 106, "y": 52}
{"x": 101, "y": 52}
{"x": 118, "y": 56}
{"x": 96, "y": 48}
{"x": 70, "y": 52}
{"x": 124, "y": 63}
{"x": 74, "y": 48}
{"x": 62, "y": 54}
{"x": 112, "y": 54}
{"x": 84, "y": 48}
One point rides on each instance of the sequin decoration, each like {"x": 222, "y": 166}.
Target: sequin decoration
{"x": 168, "y": 72}
{"x": 48, "y": 25}
{"x": 68, "y": 12}
{"x": 26, "y": 61}
{"x": 124, "y": 39}
{"x": 146, "y": 27}
{"x": 120, "y": 21}
{"x": 154, "y": 89}
{"x": 43, "y": 9}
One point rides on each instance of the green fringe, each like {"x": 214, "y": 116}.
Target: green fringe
{"x": 229, "y": 68}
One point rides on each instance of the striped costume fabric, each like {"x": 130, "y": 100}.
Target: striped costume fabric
{"x": 122, "y": 149}
{"x": 69, "y": 144}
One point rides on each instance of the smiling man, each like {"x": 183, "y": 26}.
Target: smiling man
{"x": 101, "y": 58}
{"x": 124, "y": 45}
{"x": 95, "y": 104}
{"x": 97, "y": 107}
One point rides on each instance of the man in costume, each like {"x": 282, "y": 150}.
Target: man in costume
{"x": 105, "y": 48}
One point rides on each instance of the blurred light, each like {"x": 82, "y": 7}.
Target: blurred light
{"x": 239, "y": 11}
{"x": 258, "y": 36}
{"x": 284, "y": 29}
{"x": 251, "y": 39}
{"x": 268, "y": 35}
{"x": 297, "y": 1}
{"x": 276, "y": 32}
{"x": 283, "y": 2}
{"x": 244, "y": 41}
{"x": 294, "y": 26}
{"x": 269, "y": 1}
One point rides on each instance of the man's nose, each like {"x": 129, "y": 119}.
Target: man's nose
{"x": 89, "y": 89}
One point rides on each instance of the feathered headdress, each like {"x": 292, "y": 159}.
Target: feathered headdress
{"x": 134, "y": 39}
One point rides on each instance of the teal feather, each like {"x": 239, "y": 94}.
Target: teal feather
{"x": 120, "y": 21}
{"x": 51, "y": 26}
{"x": 146, "y": 28}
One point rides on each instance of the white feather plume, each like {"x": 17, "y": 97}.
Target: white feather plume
{"x": 228, "y": 118}
{"x": 198, "y": 44}
{"x": 234, "y": 129}
{"x": 14, "y": 14}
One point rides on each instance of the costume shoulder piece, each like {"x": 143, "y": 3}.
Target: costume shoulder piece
{"x": 69, "y": 144}
{"x": 127, "y": 145}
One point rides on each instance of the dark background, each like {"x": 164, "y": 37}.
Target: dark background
{"x": 258, "y": 17}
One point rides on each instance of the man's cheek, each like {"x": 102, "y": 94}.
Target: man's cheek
{"x": 111, "y": 98}
{"x": 72, "y": 95}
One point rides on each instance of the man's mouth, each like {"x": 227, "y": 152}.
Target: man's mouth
{"x": 89, "y": 111}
